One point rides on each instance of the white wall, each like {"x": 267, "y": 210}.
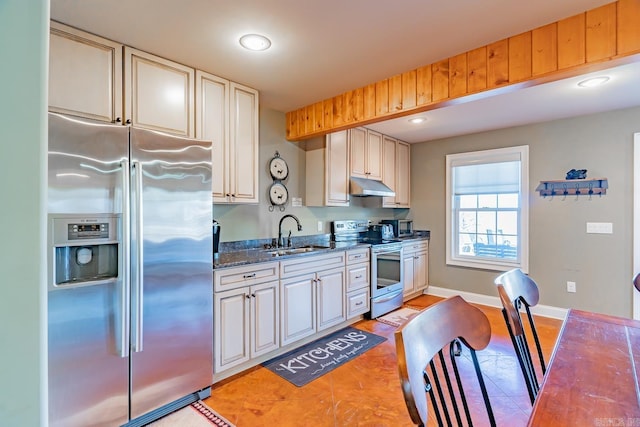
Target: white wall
{"x": 560, "y": 250}
{"x": 24, "y": 27}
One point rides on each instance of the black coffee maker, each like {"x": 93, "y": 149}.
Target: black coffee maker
{"x": 216, "y": 237}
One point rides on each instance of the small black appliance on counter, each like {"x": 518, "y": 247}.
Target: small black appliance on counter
{"x": 216, "y": 237}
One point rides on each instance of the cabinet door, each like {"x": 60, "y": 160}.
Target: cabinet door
{"x": 85, "y": 74}
{"x": 265, "y": 329}
{"x": 403, "y": 175}
{"x": 358, "y": 152}
{"x": 374, "y": 155}
{"x": 337, "y": 169}
{"x": 420, "y": 271}
{"x": 408, "y": 273}
{"x": 331, "y": 292}
{"x": 212, "y": 123}
{"x": 244, "y": 134}
{"x": 158, "y": 93}
{"x": 297, "y": 308}
{"x": 231, "y": 329}
{"x": 389, "y": 169}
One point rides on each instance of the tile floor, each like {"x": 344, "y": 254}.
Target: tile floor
{"x": 366, "y": 391}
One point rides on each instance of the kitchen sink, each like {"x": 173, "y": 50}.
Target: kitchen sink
{"x": 300, "y": 250}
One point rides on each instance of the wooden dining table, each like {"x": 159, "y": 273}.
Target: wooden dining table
{"x": 592, "y": 378}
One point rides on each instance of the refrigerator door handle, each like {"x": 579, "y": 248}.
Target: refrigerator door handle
{"x": 138, "y": 286}
{"x": 125, "y": 263}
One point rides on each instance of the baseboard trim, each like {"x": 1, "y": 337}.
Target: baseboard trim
{"x": 539, "y": 310}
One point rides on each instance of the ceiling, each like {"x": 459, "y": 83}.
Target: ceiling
{"x": 324, "y": 48}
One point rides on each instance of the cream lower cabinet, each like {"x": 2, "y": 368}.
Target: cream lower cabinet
{"x": 227, "y": 114}
{"x": 312, "y": 295}
{"x": 158, "y": 93}
{"x": 327, "y": 171}
{"x": 416, "y": 266}
{"x": 85, "y": 74}
{"x": 246, "y": 318}
{"x": 358, "y": 282}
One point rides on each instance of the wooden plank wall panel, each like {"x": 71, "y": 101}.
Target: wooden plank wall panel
{"x": 318, "y": 116}
{"x": 338, "y": 118}
{"x": 571, "y": 41}
{"x": 423, "y": 85}
{"x": 606, "y": 33}
{"x": 458, "y": 76}
{"x": 544, "y": 49}
{"x": 477, "y": 70}
{"x": 395, "y": 93}
{"x": 600, "y": 33}
{"x": 327, "y": 109}
{"x": 628, "y": 26}
{"x": 440, "y": 80}
{"x": 292, "y": 125}
{"x": 498, "y": 64}
{"x": 520, "y": 57}
{"x": 382, "y": 97}
{"x": 369, "y": 96}
{"x": 409, "y": 89}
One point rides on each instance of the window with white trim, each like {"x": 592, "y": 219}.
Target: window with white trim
{"x": 487, "y": 209}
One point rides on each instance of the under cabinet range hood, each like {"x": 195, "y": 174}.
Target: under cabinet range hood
{"x": 362, "y": 187}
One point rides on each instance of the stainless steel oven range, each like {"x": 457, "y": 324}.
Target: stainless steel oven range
{"x": 387, "y": 274}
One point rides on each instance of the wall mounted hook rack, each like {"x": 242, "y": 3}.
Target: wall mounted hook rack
{"x": 573, "y": 187}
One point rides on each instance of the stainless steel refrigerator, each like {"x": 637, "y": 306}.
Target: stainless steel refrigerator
{"x": 130, "y": 301}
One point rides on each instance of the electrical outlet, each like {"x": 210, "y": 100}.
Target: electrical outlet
{"x": 319, "y": 225}
{"x": 571, "y": 286}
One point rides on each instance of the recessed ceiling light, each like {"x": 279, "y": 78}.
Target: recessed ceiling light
{"x": 417, "y": 120}
{"x": 255, "y": 42}
{"x": 596, "y": 81}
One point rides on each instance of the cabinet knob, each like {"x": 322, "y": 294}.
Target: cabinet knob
{"x": 128, "y": 122}
{"x": 247, "y": 296}
{"x": 118, "y": 120}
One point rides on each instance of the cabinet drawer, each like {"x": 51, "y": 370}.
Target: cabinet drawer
{"x": 357, "y": 255}
{"x": 357, "y": 276}
{"x": 357, "y": 302}
{"x": 234, "y": 277}
{"x": 311, "y": 264}
{"x": 415, "y": 246}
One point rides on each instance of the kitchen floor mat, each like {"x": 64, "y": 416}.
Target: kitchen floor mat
{"x": 198, "y": 414}
{"x": 311, "y": 361}
{"x": 398, "y": 317}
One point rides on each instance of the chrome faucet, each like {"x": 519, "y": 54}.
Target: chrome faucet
{"x": 280, "y": 240}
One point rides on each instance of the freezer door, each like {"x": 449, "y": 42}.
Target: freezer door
{"x": 172, "y": 295}
{"x": 88, "y": 368}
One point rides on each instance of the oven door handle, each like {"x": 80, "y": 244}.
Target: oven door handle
{"x": 387, "y": 297}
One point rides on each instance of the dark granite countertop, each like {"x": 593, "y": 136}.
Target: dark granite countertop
{"x": 246, "y": 252}
{"x": 255, "y": 255}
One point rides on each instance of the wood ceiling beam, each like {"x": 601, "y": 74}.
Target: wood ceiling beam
{"x": 594, "y": 40}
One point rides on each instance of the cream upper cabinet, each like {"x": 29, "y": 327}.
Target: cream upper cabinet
{"x": 243, "y": 144}
{"x": 327, "y": 171}
{"x": 227, "y": 114}
{"x": 365, "y": 149}
{"x": 158, "y": 93}
{"x": 212, "y": 123}
{"x": 389, "y": 166}
{"x": 85, "y": 74}
{"x": 396, "y": 172}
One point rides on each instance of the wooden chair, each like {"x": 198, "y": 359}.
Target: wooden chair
{"x": 421, "y": 345}
{"x": 516, "y": 289}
